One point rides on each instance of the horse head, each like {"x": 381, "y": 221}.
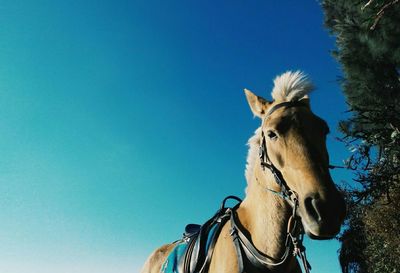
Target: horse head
{"x": 295, "y": 143}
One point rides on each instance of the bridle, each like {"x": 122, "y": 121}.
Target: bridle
{"x": 295, "y": 231}
{"x": 265, "y": 161}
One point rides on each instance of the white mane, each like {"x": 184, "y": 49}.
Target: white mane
{"x": 252, "y": 154}
{"x": 290, "y": 86}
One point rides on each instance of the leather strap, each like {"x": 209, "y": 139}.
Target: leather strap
{"x": 207, "y": 261}
{"x": 254, "y": 256}
{"x": 287, "y": 104}
{"x": 237, "y": 244}
{"x": 198, "y": 254}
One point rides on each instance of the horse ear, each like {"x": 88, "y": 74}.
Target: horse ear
{"x": 258, "y": 105}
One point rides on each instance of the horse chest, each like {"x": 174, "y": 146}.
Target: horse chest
{"x": 225, "y": 259}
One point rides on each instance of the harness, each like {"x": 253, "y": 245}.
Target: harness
{"x": 198, "y": 241}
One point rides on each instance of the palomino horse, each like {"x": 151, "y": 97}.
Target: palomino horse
{"x": 288, "y": 184}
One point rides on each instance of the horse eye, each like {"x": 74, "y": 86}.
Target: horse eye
{"x": 271, "y": 135}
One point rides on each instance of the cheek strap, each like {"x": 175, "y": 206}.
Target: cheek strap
{"x": 285, "y": 191}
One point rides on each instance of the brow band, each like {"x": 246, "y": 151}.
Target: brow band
{"x": 287, "y": 104}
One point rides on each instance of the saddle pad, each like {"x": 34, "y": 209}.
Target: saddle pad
{"x": 171, "y": 263}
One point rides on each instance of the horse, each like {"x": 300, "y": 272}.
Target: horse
{"x": 289, "y": 191}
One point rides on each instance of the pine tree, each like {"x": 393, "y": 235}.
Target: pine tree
{"x": 368, "y": 48}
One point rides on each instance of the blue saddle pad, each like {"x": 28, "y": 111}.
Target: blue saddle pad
{"x": 171, "y": 264}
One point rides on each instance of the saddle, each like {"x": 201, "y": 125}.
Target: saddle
{"x": 192, "y": 253}
{"x": 198, "y": 242}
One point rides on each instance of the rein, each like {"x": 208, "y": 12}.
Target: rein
{"x": 295, "y": 231}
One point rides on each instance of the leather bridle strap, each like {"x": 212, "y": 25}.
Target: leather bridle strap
{"x": 263, "y": 153}
{"x": 287, "y": 104}
{"x": 266, "y": 163}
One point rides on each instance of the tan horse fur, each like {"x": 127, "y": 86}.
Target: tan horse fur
{"x": 299, "y": 152}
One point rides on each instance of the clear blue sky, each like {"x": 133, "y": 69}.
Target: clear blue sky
{"x": 121, "y": 121}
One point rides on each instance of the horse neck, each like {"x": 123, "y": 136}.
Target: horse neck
{"x": 264, "y": 214}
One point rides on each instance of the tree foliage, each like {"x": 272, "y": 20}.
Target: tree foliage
{"x": 368, "y": 48}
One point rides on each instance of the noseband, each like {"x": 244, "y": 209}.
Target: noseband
{"x": 295, "y": 231}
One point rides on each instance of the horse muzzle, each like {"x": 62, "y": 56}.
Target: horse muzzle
{"x": 323, "y": 217}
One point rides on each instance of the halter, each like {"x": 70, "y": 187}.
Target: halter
{"x": 295, "y": 231}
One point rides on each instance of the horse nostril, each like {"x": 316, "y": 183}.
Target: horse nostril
{"x": 311, "y": 204}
